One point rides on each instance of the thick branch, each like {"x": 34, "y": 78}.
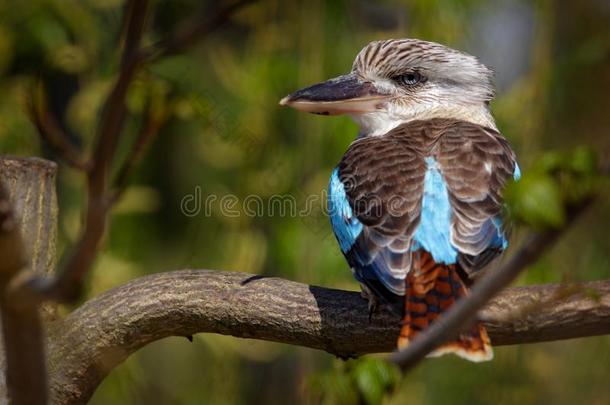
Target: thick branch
{"x": 28, "y": 209}
{"x": 92, "y": 340}
{"x": 30, "y": 183}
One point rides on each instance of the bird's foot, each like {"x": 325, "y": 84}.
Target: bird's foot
{"x": 368, "y": 295}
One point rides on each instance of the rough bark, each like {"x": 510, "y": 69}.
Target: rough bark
{"x": 30, "y": 183}
{"x": 31, "y": 202}
{"x": 102, "y": 333}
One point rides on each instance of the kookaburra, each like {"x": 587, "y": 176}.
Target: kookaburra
{"x": 416, "y": 201}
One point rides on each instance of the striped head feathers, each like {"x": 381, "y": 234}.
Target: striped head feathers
{"x": 400, "y": 80}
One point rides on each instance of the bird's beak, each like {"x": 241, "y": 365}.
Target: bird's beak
{"x": 345, "y": 94}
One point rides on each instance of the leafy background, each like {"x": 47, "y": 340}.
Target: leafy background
{"x": 225, "y": 134}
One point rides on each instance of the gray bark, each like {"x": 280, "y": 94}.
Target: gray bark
{"x": 30, "y": 187}
{"x": 102, "y": 333}
{"x": 30, "y": 183}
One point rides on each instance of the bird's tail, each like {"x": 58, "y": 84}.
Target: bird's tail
{"x": 431, "y": 289}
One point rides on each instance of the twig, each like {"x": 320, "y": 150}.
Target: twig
{"x": 67, "y": 286}
{"x": 49, "y": 129}
{"x": 153, "y": 121}
{"x": 449, "y": 325}
{"x": 134, "y": 19}
{"x": 191, "y": 31}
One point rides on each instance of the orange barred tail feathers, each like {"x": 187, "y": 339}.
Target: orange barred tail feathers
{"x": 431, "y": 289}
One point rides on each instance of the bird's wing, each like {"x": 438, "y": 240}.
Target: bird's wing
{"x": 374, "y": 205}
{"x": 476, "y": 163}
{"x": 387, "y": 194}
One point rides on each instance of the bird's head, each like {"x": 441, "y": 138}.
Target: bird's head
{"x": 400, "y": 80}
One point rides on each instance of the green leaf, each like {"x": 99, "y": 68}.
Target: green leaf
{"x": 369, "y": 384}
{"x": 341, "y": 390}
{"x": 388, "y": 372}
{"x": 374, "y": 378}
{"x": 536, "y": 200}
{"x": 583, "y": 161}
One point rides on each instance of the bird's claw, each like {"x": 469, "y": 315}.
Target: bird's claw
{"x": 372, "y": 308}
{"x": 368, "y": 295}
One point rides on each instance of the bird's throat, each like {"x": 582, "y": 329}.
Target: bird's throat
{"x": 381, "y": 122}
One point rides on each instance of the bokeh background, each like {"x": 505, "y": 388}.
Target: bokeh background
{"x": 224, "y": 134}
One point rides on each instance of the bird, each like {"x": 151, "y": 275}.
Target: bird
{"x": 416, "y": 201}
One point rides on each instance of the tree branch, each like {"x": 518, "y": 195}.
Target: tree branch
{"x": 67, "y": 285}
{"x": 191, "y": 31}
{"x": 21, "y": 327}
{"x": 152, "y": 122}
{"x": 28, "y": 210}
{"x": 50, "y": 130}
{"x": 95, "y": 338}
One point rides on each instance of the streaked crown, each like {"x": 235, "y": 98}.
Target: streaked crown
{"x": 441, "y": 65}
{"x": 401, "y": 80}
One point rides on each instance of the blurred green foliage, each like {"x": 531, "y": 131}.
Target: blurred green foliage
{"x": 554, "y": 183}
{"x": 224, "y": 134}
{"x": 366, "y": 380}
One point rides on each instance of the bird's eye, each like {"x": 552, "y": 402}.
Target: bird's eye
{"x": 409, "y": 79}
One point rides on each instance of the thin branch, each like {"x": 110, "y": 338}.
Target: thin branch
{"x": 86, "y": 345}
{"x": 153, "y": 121}
{"x": 114, "y": 109}
{"x": 464, "y": 311}
{"x": 67, "y": 286}
{"x": 192, "y": 31}
{"x": 134, "y": 21}
{"x": 50, "y": 130}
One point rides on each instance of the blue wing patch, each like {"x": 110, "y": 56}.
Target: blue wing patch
{"x": 500, "y": 238}
{"x": 345, "y": 225}
{"x": 433, "y": 231}
{"x": 516, "y": 172}
{"x": 348, "y": 230}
